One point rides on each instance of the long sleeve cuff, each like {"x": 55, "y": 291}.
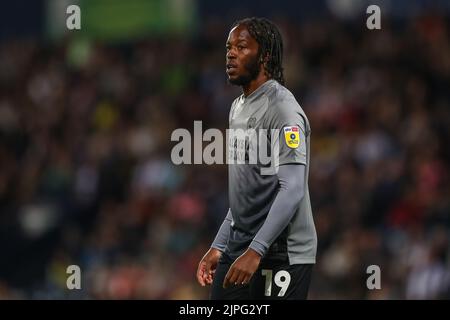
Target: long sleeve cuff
{"x": 260, "y": 247}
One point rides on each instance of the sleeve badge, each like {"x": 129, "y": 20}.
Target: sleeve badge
{"x": 292, "y": 136}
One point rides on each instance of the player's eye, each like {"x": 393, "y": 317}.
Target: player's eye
{"x": 240, "y": 47}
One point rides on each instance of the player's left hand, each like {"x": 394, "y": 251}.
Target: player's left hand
{"x": 242, "y": 270}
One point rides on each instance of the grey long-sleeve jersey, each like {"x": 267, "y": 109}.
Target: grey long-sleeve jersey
{"x": 270, "y": 213}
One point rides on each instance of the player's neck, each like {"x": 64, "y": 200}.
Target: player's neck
{"x": 249, "y": 88}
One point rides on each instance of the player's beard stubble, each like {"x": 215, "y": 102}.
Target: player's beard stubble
{"x": 251, "y": 72}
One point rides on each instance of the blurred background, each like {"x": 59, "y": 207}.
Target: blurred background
{"x": 86, "y": 117}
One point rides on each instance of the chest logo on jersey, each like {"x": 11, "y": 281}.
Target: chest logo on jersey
{"x": 251, "y": 123}
{"x": 292, "y": 136}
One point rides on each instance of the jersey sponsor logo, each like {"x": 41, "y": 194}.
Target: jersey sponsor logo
{"x": 292, "y": 136}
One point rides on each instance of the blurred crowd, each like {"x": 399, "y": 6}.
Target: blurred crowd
{"x": 86, "y": 177}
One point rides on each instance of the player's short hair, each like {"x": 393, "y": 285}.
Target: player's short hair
{"x": 270, "y": 43}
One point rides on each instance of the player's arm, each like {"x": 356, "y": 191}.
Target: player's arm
{"x": 221, "y": 239}
{"x": 291, "y": 176}
{"x": 291, "y": 179}
{"x": 207, "y": 265}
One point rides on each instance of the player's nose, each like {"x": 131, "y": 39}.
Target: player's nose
{"x": 231, "y": 54}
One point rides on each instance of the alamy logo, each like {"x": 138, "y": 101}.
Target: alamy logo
{"x": 374, "y": 20}
{"x": 74, "y": 279}
{"x": 243, "y": 146}
{"x": 374, "y": 280}
{"x": 73, "y": 21}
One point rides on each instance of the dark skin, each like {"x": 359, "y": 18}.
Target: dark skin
{"x": 244, "y": 68}
{"x": 242, "y": 51}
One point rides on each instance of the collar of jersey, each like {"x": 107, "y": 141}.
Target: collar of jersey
{"x": 258, "y": 92}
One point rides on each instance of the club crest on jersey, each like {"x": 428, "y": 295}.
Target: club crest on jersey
{"x": 251, "y": 123}
{"x": 292, "y": 136}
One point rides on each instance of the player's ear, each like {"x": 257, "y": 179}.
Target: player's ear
{"x": 264, "y": 59}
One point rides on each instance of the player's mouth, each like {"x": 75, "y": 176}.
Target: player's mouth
{"x": 231, "y": 68}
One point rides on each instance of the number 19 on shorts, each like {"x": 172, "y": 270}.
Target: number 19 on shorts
{"x": 282, "y": 279}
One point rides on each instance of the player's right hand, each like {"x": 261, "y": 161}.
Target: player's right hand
{"x": 207, "y": 266}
